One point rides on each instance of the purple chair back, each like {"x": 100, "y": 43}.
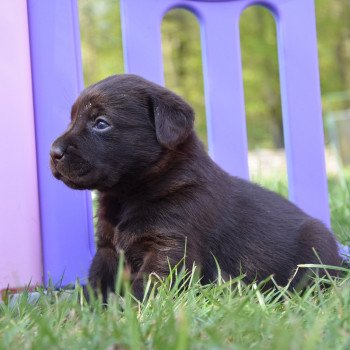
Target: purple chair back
{"x": 54, "y": 72}
{"x": 66, "y": 219}
{"x": 300, "y": 85}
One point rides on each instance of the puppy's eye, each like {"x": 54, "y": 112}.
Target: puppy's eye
{"x": 101, "y": 124}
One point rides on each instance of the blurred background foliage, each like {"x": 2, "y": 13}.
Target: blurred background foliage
{"x": 102, "y": 56}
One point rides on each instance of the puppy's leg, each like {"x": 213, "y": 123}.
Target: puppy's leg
{"x": 103, "y": 271}
{"x": 315, "y": 237}
{"x": 159, "y": 263}
{"x": 151, "y": 263}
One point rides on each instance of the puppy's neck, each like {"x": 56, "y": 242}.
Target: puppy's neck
{"x": 175, "y": 170}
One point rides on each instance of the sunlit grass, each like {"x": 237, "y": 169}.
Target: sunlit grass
{"x": 228, "y": 315}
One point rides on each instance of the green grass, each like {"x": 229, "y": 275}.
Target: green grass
{"x": 228, "y": 315}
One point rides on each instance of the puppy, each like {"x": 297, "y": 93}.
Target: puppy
{"x": 160, "y": 194}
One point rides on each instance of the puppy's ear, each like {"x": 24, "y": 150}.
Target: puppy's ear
{"x": 173, "y": 119}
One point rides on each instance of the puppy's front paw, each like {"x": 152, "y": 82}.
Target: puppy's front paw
{"x": 103, "y": 271}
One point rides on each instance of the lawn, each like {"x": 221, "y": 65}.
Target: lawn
{"x": 228, "y": 315}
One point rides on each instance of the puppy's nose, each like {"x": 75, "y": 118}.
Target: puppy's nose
{"x": 57, "y": 153}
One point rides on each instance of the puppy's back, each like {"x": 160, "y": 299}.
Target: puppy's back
{"x": 260, "y": 233}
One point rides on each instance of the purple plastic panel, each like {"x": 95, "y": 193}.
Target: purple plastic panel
{"x": 302, "y": 115}
{"x": 302, "y": 109}
{"x": 66, "y": 220}
{"x": 20, "y": 247}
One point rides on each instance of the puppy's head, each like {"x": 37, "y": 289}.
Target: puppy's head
{"x": 119, "y": 127}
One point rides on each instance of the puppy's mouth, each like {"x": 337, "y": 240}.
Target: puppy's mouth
{"x": 80, "y": 179}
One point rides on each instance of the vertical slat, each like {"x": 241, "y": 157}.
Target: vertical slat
{"x": 66, "y": 221}
{"x": 141, "y": 28}
{"x": 302, "y": 113}
{"x": 224, "y": 88}
{"x": 20, "y": 247}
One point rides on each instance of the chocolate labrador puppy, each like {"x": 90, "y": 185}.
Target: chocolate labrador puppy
{"x": 160, "y": 194}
